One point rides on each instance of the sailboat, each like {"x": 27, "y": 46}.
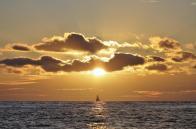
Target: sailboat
{"x": 97, "y": 98}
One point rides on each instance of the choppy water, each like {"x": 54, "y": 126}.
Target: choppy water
{"x": 111, "y": 115}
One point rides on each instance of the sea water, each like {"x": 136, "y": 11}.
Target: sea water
{"x": 97, "y": 115}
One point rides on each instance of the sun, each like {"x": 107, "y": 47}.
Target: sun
{"x": 98, "y": 72}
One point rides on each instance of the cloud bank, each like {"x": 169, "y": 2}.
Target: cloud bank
{"x": 157, "y": 55}
{"x": 51, "y": 64}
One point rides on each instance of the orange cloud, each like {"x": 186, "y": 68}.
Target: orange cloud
{"x": 157, "y": 67}
{"x": 165, "y": 44}
{"x": 149, "y": 93}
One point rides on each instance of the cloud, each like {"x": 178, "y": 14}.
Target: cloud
{"x": 71, "y": 41}
{"x": 172, "y": 49}
{"x": 121, "y": 60}
{"x": 190, "y": 46}
{"x": 157, "y": 67}
{"x": 20, "y": 47}
{"x": 188, "y": 91}
{"x": 149, "y": 93}
{"x": 155, "y": 59}
{"x": 46, "y": 62}
{"x": 16, "y": 83}
{"x": 151, "y": 1}
{"x": 156, "y": 93}
{"x": 74, "y": 90}
{"x": 164, "y": 44}
{"x": 184, "y": 56}
{"x": 18, "y": 62}
{"x": 50, "y": 64}
{"x": 193, "y": 3}
{"x": 158, "y": 55}
{"x": 21, "y": 80}
{"x": 116, "y": 63}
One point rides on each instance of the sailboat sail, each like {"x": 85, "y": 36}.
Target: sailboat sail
{"x": 97, "y": 98}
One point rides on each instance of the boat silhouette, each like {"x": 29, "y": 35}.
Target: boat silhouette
{"x": 97, "y": 98}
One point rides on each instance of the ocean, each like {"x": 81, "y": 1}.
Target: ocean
{"x": 101, "y": 115}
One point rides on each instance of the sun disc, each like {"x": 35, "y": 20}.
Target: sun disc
{"x": 98, "y": 72}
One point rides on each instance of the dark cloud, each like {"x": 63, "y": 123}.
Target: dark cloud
{"x": 78, "y": 66}
{"x": 156, "y": 59}
{"x": 121, "y": 60}
{"x": 116, "y": 63}
{"x": 165, "y": 44}
{"x": 157, "y": 67}
{"x": 20, "y": 47}
{"x": 183, "y": 56}
{"x": 168, "y": 44}
{"x": 73, "y": 41}
{"x": 50, "y": 64}
{"x": 19, "y": 62}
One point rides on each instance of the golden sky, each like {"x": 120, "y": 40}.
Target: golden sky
{"x": 140, "y": 50}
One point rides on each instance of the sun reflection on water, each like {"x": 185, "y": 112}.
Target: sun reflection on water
{"x": 99, "y": 116}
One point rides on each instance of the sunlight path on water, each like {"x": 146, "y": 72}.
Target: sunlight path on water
{"x": 99, "y": 116}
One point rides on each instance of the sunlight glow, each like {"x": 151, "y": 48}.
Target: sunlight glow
{"x": 98, "y": 72}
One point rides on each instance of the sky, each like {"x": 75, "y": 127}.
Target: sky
{"x": 122, "y": 50}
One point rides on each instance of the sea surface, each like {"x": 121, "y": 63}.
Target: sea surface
{"x": 101, "y": 115}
